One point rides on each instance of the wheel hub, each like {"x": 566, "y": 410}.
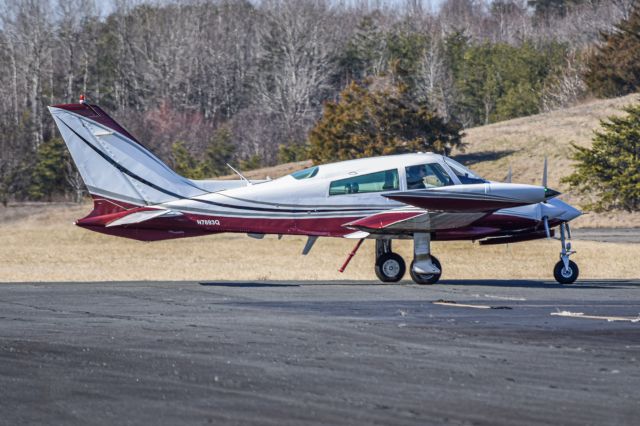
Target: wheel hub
{"x": 391, "y": 268}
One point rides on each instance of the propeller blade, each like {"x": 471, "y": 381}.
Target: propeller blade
{"x": 544, "y": 173}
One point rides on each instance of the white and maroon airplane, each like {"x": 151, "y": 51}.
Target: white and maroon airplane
{"x": 422, "y": 196}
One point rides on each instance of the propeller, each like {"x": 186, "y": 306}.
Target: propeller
{"x": 548, "y": 192}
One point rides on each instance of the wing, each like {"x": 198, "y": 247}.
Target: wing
{"x": 408, "y": 220}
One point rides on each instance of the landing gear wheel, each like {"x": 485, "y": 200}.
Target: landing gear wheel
{"x": 390, "y": 267}
{"x": 426, "y": 278}
{"x": 566, "y": 276}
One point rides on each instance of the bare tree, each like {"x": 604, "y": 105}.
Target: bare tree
{"x": 296, "y": 52}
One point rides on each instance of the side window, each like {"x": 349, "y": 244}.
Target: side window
{"x": 373, "y": 182}
{"x": 427, "y": 176}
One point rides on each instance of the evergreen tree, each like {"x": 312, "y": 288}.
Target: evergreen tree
{"x": 219, "y": 152}
{"x": 184, "y": 163}
{"x": 364, "y": 54}
{"x": 614, "y": 67}
{"x": 48, "y": 174}
{"x": 406, "y": 49}
{"x": 367, "y": 122}
{"x": 546, "y": 9}
{"x": 499, "y": 81}
{"x": 214, "y": 161}
{"x": 609, "y": 171}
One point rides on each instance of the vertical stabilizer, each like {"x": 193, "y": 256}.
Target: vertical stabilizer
{"x": 112, "y": 163}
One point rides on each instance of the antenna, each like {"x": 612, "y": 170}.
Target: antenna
{"x": 239, "y": 174}
{"x": 508, "y": 179}
{"x": 83, "y": 101}
{"x": 544, "y": 172}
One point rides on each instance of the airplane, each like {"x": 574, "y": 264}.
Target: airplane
{"x": 420, "y": 196}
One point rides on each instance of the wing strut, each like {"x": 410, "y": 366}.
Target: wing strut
{"x": 353, "y": 253}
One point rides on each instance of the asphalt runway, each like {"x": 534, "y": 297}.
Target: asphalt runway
{"x": 608, "y": 235}
{"x": 286, "y": 353}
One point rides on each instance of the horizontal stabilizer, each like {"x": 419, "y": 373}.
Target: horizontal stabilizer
{"x": 485, "y": 197}
{"x": 407, "y": 220}
{"x": 141, "y": 216}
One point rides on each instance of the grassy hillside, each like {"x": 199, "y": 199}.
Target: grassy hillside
{"x": 524, "y": 142}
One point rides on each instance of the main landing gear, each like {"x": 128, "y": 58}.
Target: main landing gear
{"x": 425, "y": 268}
{"x": 390, "y": 266}
{"x": 565, "y": 271}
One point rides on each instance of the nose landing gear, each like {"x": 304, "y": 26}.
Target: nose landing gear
{"x": 565, "y": 271}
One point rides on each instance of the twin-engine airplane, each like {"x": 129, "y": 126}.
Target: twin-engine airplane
{"x": 425, "y": 197}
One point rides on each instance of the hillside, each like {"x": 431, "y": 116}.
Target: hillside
{"x": 523, "y": 143}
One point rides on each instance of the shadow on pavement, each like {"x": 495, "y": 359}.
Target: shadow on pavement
{"x": 580, "y": 284}
{"x": 246, "y": 284}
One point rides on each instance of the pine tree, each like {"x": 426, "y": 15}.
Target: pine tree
{"x": 48, "y": 174}
{"x": 614, "y": 67}
{"x": 184, "y": 163}
{"x": 219, "y": 152}
{"x": 364, "y": 54}
{"x": 367, "y": 122}
{"x": 609, "y": 171}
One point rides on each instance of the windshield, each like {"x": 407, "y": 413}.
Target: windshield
{"x": 427, "y": 176}
{"x": 306, "y": 173}
{"x": 465, "y": 175}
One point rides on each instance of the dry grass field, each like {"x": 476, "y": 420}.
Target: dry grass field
{"x": 39, "y": 243}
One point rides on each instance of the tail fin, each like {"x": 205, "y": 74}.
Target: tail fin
{"x": 112, "y": 163}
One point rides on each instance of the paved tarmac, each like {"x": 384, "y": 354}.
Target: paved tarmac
{"x": 608, "y": 235}
{"x": 267, "y": 353}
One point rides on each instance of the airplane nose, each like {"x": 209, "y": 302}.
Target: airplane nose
{"x": 550, "y": 193}
{"x": 571, "y": 213}
{"x": 558, "y": 209}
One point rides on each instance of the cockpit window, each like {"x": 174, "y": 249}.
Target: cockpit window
{"x": 427, "y": 176}
{"x": 465, "y": 175}
{"x": 373, "y": 182}
{"x": 306, "y": 173}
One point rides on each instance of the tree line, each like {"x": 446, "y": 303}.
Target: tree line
{"x": 204, "y": 82}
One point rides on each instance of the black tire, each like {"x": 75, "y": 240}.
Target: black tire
{"x": 390, "y": 267}
{"x": 563, "y": 276}
{"x": 426, "y": 278}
